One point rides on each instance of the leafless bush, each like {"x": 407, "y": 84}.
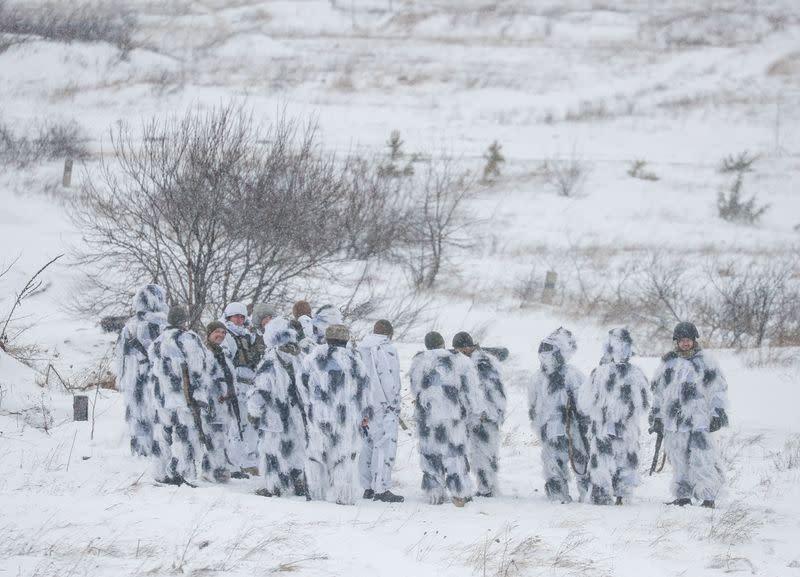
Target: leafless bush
{"x": 566, "y": 175}
{"x": 214, "y": 208}
{"x": 51, "y": 141}
{"x": 752, "y": 302}
{"x": 377, "y": 208}
{"x": 439, "y": 220}
{"x": 637, "y": 170}
{"x": 111, "y": 22}
{"x": 527, "y": 288}
{"x": 735, "y": 303}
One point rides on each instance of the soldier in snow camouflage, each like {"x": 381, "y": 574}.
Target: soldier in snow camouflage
{"x": 614, "y": 399}
{"x": 553, "y": 412}
{"x": 276, "y": 410}
{"x": 442, "y": 383}
{"x": 380, "y": 442}
{"x": 187, "y": 390}
{"x": 485, "y": 418}
{"x": 336, "y": 382}
{"x": 689, "y": 404}
{"x": 133, "y": 365}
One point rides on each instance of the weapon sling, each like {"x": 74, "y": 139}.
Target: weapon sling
{"x": 571, "y": 410}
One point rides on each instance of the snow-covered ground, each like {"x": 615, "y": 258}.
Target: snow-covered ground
{"x": 677, "y": 84}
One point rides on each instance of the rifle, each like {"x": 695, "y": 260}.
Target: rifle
{"x": 659, "y": 440}
{"x": 500, "y": 353}
{"x": 193, "y": 407}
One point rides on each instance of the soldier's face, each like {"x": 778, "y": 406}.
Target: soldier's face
{"x": 217, "y": 336}
{"x": 685, "y": 344}
{"x": 238, "y": 320}
{"x": 265, "y": 322}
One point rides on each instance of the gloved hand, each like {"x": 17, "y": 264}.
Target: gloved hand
{"x": 656, "y": 427}
{"x": 718, "y": 421}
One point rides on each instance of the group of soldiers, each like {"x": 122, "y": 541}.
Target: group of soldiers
{"x": 293, "y": 400}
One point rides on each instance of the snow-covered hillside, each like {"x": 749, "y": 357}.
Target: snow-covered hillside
{"x": 678, "y": 85}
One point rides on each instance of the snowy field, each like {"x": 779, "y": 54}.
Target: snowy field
{"x": 679, "y": 85}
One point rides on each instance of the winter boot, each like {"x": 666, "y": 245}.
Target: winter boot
{"x": 239, "y": 475}
{"x": 680, "y": 502}
{"x": 388, "y": 497}
{"x": 459, "y": 502}
{"x": 619, "y": 501}
{"x": 369, "y": 494}
{"x": 263, "y": 493}
{"x": 487, "y": 494}
{"x": 708, "y": 504}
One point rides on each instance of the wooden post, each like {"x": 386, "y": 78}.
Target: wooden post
{"x": 549, "y": 287}
{"x": 80, "y": 408}
{"x": 66, "y": 181}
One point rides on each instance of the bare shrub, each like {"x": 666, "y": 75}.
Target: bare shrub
{"x": 527, "y": 288}
{"x": 753, "y": 301}
{"x": 50, "y": 141}
{"x": 439, "y": 220}
{"x": 377, "y": 208}
{"x": 211, "y": 206}
{"x": 566, "y": 176}
{"x": 637, "y": 170}
{"x": 735, "y": 303}
{"x": 113, "y": 22}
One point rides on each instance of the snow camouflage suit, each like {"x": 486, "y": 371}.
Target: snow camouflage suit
{"x": 689, "y": 392}
{"x": 226, "y": 374}
{"x": 485, "y": 421}
{"x": 239, "y": 346}
{"x": 443, "y": 383}
{"x": 275, "y": 408}
{"x": 552, "y": 394}
{"x": 133, "y": 365}
{"x": 614, "y": 400}
{"x": 336, "y": 383}
{"x": 174, "y": 350}
{"x": 380, "y": 444}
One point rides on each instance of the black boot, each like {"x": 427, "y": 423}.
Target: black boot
{"x": 619, "y": 501}
{"x": 369, "y": 494}
{"x": 239, "y": 475}
{"x": 263, "y": 493}
{"x": 680, "y": 502}
{"x": 487, "y": 494}
{"x": 388, "y": 497}
{"x": 708, "y": 504}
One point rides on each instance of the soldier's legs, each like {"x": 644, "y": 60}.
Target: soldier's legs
{"x": 705, "y": 466}
{"x": 365, "y": 458}
{"x": 433, "y": 474}
{"x": 626, "y": 477}
{"x": 484, "y": 443}
{"x": 602, "y": 467}
{"x": 384, "y": 450}
{"x": 676, "y": 447}
{"x": 555, "y": 468}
